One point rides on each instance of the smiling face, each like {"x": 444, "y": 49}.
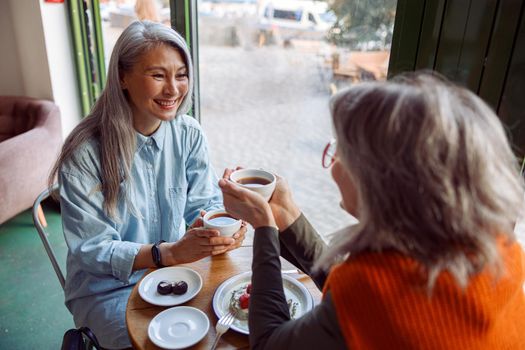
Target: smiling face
{"x": 156, "y": 87}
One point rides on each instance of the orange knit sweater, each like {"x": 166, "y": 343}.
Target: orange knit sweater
{"x": 382, "y": 303}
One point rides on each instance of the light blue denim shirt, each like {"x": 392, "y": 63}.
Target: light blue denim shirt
{"x": 172, "y": 181}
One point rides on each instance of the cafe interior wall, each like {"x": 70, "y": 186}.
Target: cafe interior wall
{"x": 37, "y": 56}
{"x": 36, "y": 60}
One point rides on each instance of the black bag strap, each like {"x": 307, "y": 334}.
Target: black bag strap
{"x": 91, "y": 336}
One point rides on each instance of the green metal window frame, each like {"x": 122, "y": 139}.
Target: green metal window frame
{"x": 184, "y": 19}
{"x": 438, "y": 35}
{"x": 86, "y": 30}
{"x": 475, "y": 43}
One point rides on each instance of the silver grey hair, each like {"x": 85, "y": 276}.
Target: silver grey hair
{"x": 111, "y": 119}
{"x": 435, "y": 175}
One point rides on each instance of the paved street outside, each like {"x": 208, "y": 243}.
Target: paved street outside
{"x": 268, "y": 108}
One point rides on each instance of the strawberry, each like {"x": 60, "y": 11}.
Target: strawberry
{"x": 244, "y": 301}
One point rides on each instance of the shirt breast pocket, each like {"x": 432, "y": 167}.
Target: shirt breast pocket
{"x": 178, "y": 203}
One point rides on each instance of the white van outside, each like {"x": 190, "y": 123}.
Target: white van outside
{"x": 296, "y": 18}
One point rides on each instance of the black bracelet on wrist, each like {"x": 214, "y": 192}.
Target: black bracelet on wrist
{"x": 155, "y": 253}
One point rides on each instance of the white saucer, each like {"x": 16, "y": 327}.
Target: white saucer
{"x": 148, "y": 285}
{"x": 178, "y": 327}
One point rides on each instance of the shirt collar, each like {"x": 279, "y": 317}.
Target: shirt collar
{"x": 157, "y": 138}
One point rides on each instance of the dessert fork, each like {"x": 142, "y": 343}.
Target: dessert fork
{"x": 222, "y": 326}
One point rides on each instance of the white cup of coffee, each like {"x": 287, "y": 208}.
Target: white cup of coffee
{"x": 221, "y": 221}
{"x": 257, "y": 180}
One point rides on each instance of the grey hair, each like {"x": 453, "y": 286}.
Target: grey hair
{"x": 111, "y": 118}
{"x": 435, "y": 175}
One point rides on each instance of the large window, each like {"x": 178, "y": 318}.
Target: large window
{"x": 268, "y": 68}
{"x": 267, "y": 71}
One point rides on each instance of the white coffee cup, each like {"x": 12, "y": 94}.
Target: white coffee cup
{"x": 221, "y": 221}
{"x": 257, "y": 180}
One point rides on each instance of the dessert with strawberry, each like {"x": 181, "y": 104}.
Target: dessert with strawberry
{"x": 240, "y": 302}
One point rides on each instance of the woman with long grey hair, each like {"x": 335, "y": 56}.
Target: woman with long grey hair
{"x": 132, "y": 175}
{"x": 433, "y": 262}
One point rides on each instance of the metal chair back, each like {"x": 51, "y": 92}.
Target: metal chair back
{"x": 43, "y": 234}
{"x": 88, "y": 342}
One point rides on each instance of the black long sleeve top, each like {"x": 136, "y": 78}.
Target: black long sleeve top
{"x": 269, "y": 318}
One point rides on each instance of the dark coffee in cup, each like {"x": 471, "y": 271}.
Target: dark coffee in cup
{"x": 220, "y": 215}
{"x": 256, "y": 180}
{"x": 253, "y": 181}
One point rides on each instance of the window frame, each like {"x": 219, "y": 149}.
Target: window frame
{"x": 86, "y": 31}
{"x": 184, "y": 19}
{"x": 444, "y": 36}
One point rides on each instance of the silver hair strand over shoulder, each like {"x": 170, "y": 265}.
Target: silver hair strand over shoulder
{"x": 435, "y": 175}
{"x": 111, "y": 119}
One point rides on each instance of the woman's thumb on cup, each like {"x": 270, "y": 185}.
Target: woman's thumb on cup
{"x": 198, "y": 222}
{"x": 228, "y": 187}
{"x": 223, "y": 183}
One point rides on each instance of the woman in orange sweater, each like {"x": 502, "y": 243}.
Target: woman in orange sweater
{"x": 433, "y": 263}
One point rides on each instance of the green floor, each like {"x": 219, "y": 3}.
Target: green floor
{"x": 32, "y": 310}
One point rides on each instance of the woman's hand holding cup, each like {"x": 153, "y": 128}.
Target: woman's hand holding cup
{"x": 196, "y": 244}
{"x": 284, "y": 209}
{"x": 238, "y": 233}
{"x": 245, "y": 204}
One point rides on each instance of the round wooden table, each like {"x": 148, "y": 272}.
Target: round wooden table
{"x": 214, "y": 271}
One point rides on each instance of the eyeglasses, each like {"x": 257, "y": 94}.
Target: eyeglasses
{"x": 329, "y": 154}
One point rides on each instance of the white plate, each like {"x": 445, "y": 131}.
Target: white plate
{"x": 293, "y": 290}
{"x": 148, "y": 285}
{"x": 178, "y": 327}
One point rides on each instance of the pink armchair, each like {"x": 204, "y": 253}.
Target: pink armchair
{"x": 30, "y": 139}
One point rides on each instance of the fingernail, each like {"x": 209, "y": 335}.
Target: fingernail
{"x": 236, "y": 236}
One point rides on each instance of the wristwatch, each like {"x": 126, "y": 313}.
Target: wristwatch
{"x": 155, "y": 253}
